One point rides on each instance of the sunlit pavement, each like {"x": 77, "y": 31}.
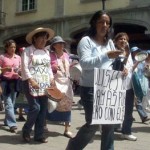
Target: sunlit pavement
{"x": 56, "y": 140}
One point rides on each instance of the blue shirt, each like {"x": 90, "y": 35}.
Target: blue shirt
{"x": 93, "y": 55}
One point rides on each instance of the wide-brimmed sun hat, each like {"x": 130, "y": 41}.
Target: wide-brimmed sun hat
{"x": 37, "y": 30}
{"x": 56, "y": 39}
{"x": 135, "y": 48}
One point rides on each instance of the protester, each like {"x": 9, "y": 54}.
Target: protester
{"x": 146, "y": 71}
{"x": 9, "y": 79}
{"x": 60, "y": 66}
{"x": 140, "y": 85}
{"x": 125, "y": 61}
{"x": 95, "y": 49}
{"x": 37, "y": 76}
{"x": 20, "y": 99}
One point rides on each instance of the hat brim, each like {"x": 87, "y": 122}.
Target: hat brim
{"x": 32, "y": 33}
{"x": 136, "y": 50}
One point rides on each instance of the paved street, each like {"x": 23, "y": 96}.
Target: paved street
{"x": 12, "y": 141}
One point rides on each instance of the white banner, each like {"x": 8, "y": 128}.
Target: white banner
{"x": 109, "y": 97}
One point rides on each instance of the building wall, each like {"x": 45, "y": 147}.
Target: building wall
{"x": 45, "y": 10}
{"x": 48, "y": 9}
{"x": 75, "y": 7}
{"x": 68, "y": 17}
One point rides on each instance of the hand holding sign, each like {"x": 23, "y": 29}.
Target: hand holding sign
{"x": 125, "y": 72}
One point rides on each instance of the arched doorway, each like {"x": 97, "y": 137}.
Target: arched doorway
{"x": 137, "y": 34}
{"x": 76, "y": 36}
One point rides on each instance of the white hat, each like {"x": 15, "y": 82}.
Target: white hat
{"x": 37, "y": 30}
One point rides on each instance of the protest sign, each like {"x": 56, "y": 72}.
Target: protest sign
{"x": 109, "y": 97}
{"x": 39, "y": 69}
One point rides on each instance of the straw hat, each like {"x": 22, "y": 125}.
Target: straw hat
{"x": 37, "y": 30}
{"x": 56, "y": 39}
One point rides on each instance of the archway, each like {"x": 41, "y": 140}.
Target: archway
{"x": 137, "y": 34}
{"x": 76, "y": 36}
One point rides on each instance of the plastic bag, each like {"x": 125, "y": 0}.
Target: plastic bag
{"x": 52, "y": 105}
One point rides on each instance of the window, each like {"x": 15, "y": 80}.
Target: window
{"x": 26, "y": 5}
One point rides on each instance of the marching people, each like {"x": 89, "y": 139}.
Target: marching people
{"x": 95, "y": 49}
{"x": 37, "y": 76}
{"x": 140, "y": 84}
{"x": 9, "y": 78}
{"x": 60, "y": 66}
{"x": 125, "y": 61}
{"x": 146, "y": 71}
{"x": 20, "y": 100}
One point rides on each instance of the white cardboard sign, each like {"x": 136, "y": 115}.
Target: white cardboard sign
{"x": 109, "y": 97}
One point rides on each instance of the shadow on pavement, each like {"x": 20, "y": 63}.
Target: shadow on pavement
{"x": 16, "y": 138}
{"x": 11, "y": 139}
{"x": 142, "y": 129}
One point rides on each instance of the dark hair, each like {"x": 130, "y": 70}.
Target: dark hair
{"x": 53, "y": 49}
{"x": 39, "y": 34}
{"x": 8, "y": 43}
{"x": 92, "y": 30}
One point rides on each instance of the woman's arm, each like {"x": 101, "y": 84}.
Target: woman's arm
{"x": 25, "y": 58}
{"x": 89, "y": 60}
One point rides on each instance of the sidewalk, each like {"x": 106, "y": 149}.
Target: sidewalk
{"x": 56, "y": 140}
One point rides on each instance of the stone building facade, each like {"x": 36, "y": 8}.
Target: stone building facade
{"x": 70, "y": 18}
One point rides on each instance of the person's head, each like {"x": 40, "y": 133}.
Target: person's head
{"x": 39, "y": 37}
{"x": 121, "y": 40}
{"x": 148, "y": 57}
{"x": 148, "y": 51}
{"x": 134, "y": 51}
{"x": 10, "y": 47}
{"x": 57, "y": 44}
{"x": 100, "y": 25}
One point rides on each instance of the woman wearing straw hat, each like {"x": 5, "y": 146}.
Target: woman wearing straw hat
{"x": 37, "y": 76}
{"x": 60, "y": 66}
